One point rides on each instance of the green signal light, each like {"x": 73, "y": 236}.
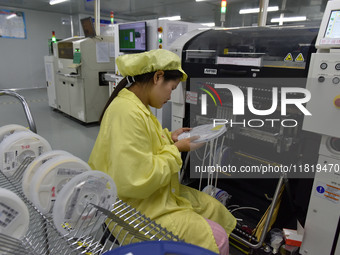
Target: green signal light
{"x": 223, "y": 6}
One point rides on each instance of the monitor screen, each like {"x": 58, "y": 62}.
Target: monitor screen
{"x": 333, "y": 26}
{"x": 132, "y": 37}
{"x": 88, "y": 27}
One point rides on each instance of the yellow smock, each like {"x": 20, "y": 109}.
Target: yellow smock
{"x": 134, "y": 149}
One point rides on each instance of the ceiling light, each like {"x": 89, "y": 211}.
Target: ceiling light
{"x": 52, "y": 2}
{"x": 257, "y": 10}
{"x": 170, "y": 18}
{"x": 211, "y": 24}
{"x": 288, "y": 19}
{"x": 11, "y": 16}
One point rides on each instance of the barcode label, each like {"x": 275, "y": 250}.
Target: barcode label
{"x": 7, "y": 215}
{"x": 68, "y": 171}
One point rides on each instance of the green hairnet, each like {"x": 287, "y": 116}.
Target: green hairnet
{"x": 150, "y": 61}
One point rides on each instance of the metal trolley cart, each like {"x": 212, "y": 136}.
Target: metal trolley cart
{"x": 42, "y": 237}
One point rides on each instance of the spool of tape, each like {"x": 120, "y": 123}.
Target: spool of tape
{"x": 18, "y": 146}
{"x": 14, "y": 215}
{"x": 72, "y": 210}
{"x": 218, "y": 194}
{"x": 205, "y": 132}
{"x": 33, "y": 167}
{"x": 51, "y": 176}
{"x": 10, "y": 129}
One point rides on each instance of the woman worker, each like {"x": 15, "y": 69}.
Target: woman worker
{"x": 144, "y": 159}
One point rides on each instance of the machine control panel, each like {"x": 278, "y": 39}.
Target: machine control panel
{"x": 323, "y": 218}
{"x": 324, "y": 84}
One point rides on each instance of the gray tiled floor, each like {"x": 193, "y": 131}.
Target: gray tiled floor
{"x": 62, "y": 132}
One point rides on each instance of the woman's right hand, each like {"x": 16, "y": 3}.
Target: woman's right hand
{"x": 187, "y": 144}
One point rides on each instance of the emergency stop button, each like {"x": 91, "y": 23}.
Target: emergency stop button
{"x": 337, "y": 101}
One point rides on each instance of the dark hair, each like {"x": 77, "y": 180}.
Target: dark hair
{"x": 143, "y": 78}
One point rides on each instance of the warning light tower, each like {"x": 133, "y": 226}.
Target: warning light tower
{"x": 112, "y": 17}
{"x": 223, "y": 11}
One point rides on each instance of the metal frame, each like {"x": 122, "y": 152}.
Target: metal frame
{"x": 22, "y": 100}
{"x": 43, "y": 238}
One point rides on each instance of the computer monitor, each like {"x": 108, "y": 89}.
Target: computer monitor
{"x": 333, "y": 27}
{"x": 132, "y": 37}
{"x": 88, "y": 27}
{"x": 329, "y": 33}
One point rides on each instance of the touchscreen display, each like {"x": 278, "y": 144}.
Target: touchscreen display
{"x": 333, "y": 27}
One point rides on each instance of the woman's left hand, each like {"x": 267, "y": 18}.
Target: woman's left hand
{"x": 176, "y": 133}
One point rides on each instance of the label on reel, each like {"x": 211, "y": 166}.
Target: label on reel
{"x": 15, "y": 148}
{"x": 50, "y": 178}
{"x": 73, "y": 210}
{"x": 14, "y": 215}
{"x": 34, "y": 166}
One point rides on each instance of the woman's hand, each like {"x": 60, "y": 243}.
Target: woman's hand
{"x": 176, "y": 133}
{"x": 187, "y": 144}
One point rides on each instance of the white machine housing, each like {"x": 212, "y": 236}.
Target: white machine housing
{"x": 81, "y": 90}
{"x": 50, "y": 72}
{"x": 324, "y": 76}
{"x": 322, "y": 226}
{"x": 178, "y": 95}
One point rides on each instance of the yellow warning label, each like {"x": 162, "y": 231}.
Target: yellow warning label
{"x": 225, "y": 51}
{"x": 289, "y": 57}
{"x": 299, "y": 58}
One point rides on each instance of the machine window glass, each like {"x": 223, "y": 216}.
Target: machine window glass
{"x": 269, "y": 45}
{"x": 65, "y": 50}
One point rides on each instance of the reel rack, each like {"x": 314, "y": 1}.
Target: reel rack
{"x": 123, "y": 224}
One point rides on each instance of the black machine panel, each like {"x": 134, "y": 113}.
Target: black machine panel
{"x": 269, "y": 49}
{"x": 261, "y": 58}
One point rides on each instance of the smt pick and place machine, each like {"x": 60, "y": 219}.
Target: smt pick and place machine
{"x": 287, "y": 79}
{"x": 267, "y": 69}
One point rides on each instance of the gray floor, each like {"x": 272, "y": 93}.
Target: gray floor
{"x": 61, "y": 131}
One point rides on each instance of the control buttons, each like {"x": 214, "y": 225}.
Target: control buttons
{"x": 323, "y": 66}
{"x": 336, "y": 80}
{"x": 337, "y": 66}
{"x": 337, "y": 101}
{"x": 321, "y": 79}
